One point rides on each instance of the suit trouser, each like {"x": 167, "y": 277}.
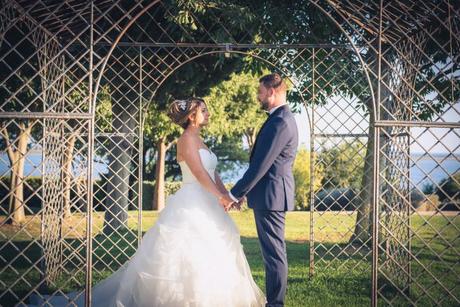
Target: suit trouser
{"x": 270, "y": 229}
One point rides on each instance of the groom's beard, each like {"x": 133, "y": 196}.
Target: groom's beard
{"x": 265, "y": 105}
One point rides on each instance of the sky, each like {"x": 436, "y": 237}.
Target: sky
{"x": 342, "y": 117}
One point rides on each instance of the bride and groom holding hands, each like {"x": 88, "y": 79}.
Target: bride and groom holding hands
{"x": 192, "y": 255}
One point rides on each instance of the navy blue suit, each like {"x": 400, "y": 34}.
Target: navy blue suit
{"x": 269, "y": 187}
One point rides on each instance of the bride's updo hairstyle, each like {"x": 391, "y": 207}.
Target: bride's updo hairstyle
{"x": 179, "y": 110}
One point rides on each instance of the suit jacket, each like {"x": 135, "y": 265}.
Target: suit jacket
{"x": 268, "y": 183}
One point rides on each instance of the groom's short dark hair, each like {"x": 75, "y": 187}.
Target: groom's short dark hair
{"x": 273, "y": 80}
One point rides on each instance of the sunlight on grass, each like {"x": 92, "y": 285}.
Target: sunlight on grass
{"x": 343, "y": 281}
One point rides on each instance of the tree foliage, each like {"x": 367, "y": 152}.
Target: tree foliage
{"x": 234, "y": 107}
{"x": 449, "y": 188}
{"x": 342, "y": 166}
{"x": 302, "y": 178}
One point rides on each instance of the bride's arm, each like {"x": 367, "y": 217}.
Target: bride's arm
{"x": 189, "y": 149}
{"x": 219, "y": 183}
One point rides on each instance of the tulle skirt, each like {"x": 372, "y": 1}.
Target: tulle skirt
{"x": 192, "y": 256}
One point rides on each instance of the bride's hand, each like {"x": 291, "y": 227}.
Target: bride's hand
{"x": 226, "y": 201}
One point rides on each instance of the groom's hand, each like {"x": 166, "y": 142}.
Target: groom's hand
{"x": 237, "y": 205}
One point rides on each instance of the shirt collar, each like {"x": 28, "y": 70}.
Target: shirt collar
{"x": 274, "y": 108}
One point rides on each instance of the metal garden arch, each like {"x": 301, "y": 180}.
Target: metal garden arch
{"x": 67, "y": 54}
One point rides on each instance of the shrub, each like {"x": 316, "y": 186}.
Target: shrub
{"x": 343, "y": 165}
{"x": 428, "y": 188}
{"x": 301, "y": 172}
{"x": 33, "y": 202}
{"x": 430, "y": 203}
{"x": 449, "y": 188}
{"x": 417, "y": 198}
{"x": 450, "y": 206}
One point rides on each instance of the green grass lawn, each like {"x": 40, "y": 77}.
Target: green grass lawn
{"x": 337, "y": 281}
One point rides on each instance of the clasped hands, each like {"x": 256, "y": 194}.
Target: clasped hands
{"x": 228, "y": 203}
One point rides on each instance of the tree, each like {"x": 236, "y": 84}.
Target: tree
{"x": 301, "y": 171}
{"x": 180, "y": 18}
{"x": 231, "y": 152}
{"x": 234, "y": 105}
{"x": 77, "y": 99}
{"x": 235, "y": 112}
{"x": 159, "y": 129}
{"x": 409, "y": 74}
{"x": 162, "y": 132}
{"x": 19, "y": 94}
{"x": 36, "y": 86}
{"x": 342, "y": 166}
{"x": 124, "y": 107}
{"x": 449, "y": 188}
{"x": 16, "y": 158}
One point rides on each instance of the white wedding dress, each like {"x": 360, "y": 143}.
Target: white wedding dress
{"x": 192, "y": 256}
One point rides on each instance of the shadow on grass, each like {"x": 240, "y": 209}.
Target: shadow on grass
{"x": 339, "y": 278}
{"x": 22, "y": 266}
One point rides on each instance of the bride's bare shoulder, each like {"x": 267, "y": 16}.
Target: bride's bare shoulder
{"x": 186, "y": 141}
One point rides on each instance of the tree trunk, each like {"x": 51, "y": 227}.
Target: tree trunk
{"x": 159, "y": 191}
{"x": 363, "y": 202}
{"x": 16, "y": 212}
{"x": 144, "y": 161}
{"x": 67, "y": 175}
{"x": 117, "y": 201}
{"x": 12, "y": 188}
{"x": 80, "y": 186}
{"x": 250, "y": 135}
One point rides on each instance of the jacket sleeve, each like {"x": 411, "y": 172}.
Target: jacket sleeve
{"x": 269, "y": 145}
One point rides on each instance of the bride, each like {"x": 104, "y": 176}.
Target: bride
{"x": 192, "y": 256}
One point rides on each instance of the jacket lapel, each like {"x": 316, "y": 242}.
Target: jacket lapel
{"x": 257, "y": 137}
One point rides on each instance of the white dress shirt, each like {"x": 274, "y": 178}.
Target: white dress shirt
{"x": 274, "y": 108}
{"x": 270, "y": 112}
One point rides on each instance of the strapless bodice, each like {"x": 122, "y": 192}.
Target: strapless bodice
{"x": 209, "y": 161}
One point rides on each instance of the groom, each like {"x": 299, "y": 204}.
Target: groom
{"x": 268, "y": 183}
